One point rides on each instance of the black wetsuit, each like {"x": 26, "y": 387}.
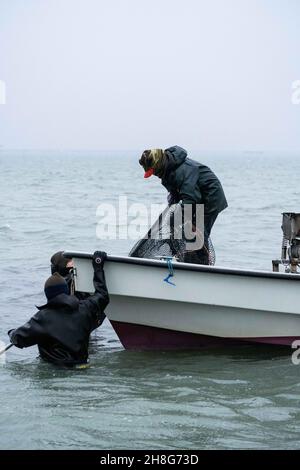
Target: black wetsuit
{"x": 100, "y": 316}
{"x": 62, "y": 327}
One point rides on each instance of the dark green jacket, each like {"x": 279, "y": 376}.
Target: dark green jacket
{"x": 191, "y": 182}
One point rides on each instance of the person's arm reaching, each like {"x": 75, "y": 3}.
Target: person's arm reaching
{"x": 100, "y": 299}
{"x": 29, "y": 334}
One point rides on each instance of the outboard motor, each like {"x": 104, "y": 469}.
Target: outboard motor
{"x": 290, "y": 252}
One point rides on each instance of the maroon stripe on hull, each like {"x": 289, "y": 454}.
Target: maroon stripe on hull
{"x": 142, "y": 337}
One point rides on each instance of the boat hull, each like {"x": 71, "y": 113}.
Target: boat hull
{"x": 140, "y": 337}
{"x": 207, "y": 306}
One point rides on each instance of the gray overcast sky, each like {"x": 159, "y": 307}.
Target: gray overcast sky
{"x": 124, "y": 74}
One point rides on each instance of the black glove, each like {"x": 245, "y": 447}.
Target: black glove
{"x": 173, "y": 198}
{"x": 99, "y": 258}
{"x": 11, "y": 334}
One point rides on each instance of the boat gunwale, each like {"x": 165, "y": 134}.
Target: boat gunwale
{"x": 187, "y": 266}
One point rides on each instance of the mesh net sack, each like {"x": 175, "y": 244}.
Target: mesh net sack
{"x": 165, "y": 239}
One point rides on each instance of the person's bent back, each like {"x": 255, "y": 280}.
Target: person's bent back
{"x": 61, "y": 328}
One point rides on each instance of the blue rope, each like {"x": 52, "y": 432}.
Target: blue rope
{"x": 171, "y": 272}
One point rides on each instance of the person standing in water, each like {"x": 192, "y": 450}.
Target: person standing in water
{"x": 61, "y": 328}
{"x": 64, "y": 266}
{"x": 190, "y": 182}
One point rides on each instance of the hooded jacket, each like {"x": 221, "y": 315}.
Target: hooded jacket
{"x": 192, "y": 182}
{"x": 62, "y": 327}
{"x": 59, "y": 264}
{"x": 100, "y": 317}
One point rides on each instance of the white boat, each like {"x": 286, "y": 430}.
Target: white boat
{"x": 208, "y": 305}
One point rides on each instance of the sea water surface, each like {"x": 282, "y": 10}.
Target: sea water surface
{"x": 246, "y": 397}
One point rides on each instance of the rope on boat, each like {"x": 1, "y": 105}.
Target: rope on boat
{"x": 171, "y": 271}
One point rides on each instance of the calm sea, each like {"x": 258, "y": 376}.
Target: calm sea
{"x": 226, "y": 399}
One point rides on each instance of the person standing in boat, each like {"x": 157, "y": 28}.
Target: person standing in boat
{"x": 190, "y": 182}
{"x": 64, "y": 266}
{"x": 62, "y": 327}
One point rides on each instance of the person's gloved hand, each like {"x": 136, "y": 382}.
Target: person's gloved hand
{"x": 11, "y": 334}
{"x": 99, "y": 258}
{"x": 172, "y": 198}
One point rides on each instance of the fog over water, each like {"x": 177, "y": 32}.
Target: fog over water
{"x": 126, "y": 74}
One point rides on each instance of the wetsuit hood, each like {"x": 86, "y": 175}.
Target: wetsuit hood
{"x": 175, "y": 156}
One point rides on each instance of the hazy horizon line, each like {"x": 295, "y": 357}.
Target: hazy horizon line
{"x": 138, "y": 150}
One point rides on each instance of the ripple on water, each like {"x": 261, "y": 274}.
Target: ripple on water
{"x": 238, "y": 398}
